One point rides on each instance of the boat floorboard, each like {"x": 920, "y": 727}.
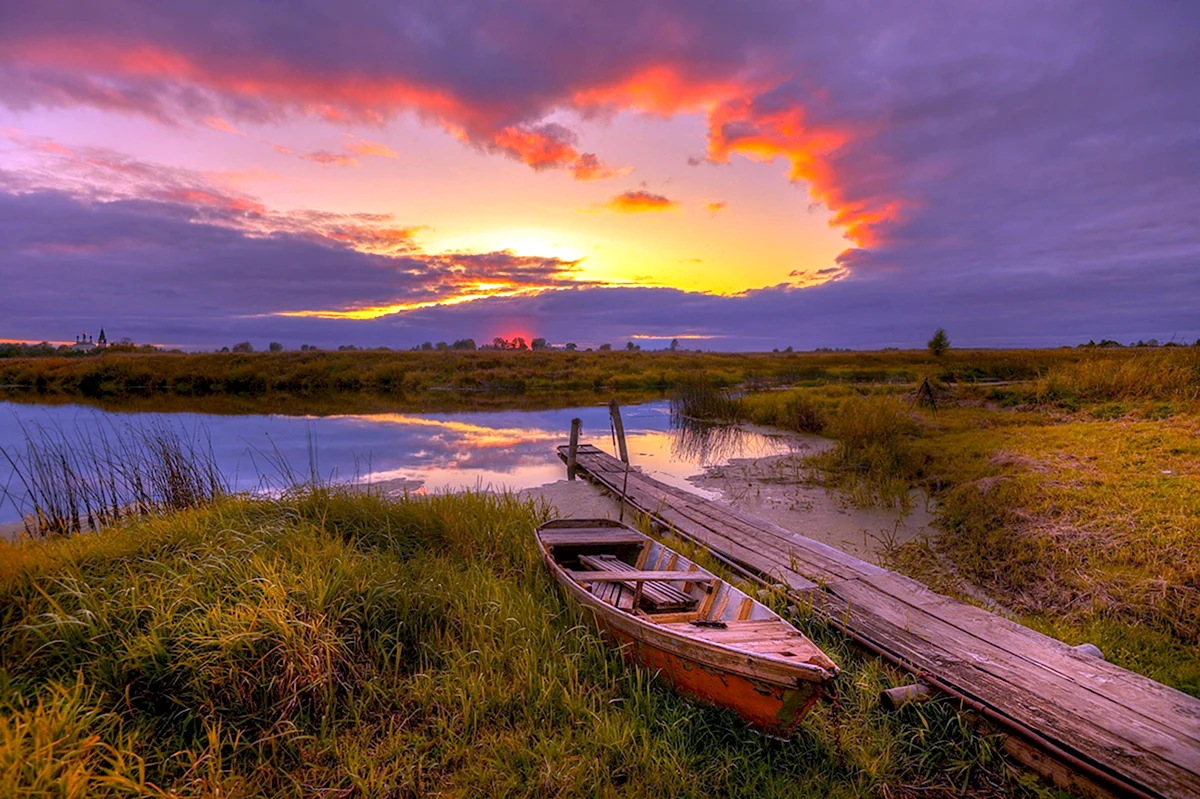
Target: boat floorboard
{"x": 1096, "y": 728}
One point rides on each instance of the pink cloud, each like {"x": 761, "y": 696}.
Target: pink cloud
{"x": 367, "y": 148}
{"x": 216, "y": 123}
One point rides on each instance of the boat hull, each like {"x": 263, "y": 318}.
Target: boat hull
{"x": 768, "y": 696}
{"x": 769, "y": 706}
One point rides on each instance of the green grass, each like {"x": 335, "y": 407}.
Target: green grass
{"x": 337, "y": 644}
{"x": 318, "y": 382}
{"x": 1072, "y": 500}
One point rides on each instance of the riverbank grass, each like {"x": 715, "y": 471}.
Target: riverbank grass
{"x": 347, "y": 644}
{"x": 1072, "y": 501}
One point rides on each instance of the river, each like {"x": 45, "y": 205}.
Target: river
{"x": 423, "y": 452}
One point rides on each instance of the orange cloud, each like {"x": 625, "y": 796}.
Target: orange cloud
{"x": 548, "y": 146}
{"x": 544, "y": 148}
{"x": 737, "y": 125}
{"x": 589, "y": 167}
{"x": 352, "y": 147}
{"x": 216, "y": 123}
{"x": 368, "y": 148}
{"x": 716, "y": 206}
{"x": 640, "y": 202}
{"x": 326, "y": 158}
{"x": 664, "y": 90}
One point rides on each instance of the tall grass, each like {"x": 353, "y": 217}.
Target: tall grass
{"x": 1147, "y": 374}
{"x": 439, "y": 380}
{"x": 698, "y": 399}
{"x": 325, "y": 643}
{"x": 790, "y": 410}
{"x": 873, "y": 460}
{"x": 65, "y": 479}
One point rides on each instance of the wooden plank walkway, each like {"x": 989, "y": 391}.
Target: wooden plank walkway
{"x": 1088, "y": 725}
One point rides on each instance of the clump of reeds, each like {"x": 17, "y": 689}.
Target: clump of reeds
{"x": 699, "y": 399}
{"x": 1138, "y": 375}
{"x": 874, "y": 459}
{"x": 67, "y": 479}
{"x": 790, "y": 410}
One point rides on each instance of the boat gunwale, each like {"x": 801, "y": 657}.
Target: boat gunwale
{"x": 785, "y": 670}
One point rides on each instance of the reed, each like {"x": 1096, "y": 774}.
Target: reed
{"x": 90, "y": 475}
{"x": 794, "y": 410}
{"x": 702, "y": 400}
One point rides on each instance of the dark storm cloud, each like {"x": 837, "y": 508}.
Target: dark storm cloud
{"x": 1027, "y": 167}
{"x": 172, "y": 276}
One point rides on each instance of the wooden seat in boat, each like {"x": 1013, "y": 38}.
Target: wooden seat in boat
{"x": 766, "y": 636}
{"x": 656, "y": 596}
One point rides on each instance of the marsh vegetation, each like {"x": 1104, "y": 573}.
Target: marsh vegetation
{"x": 460, "y": 380}
{"x": 1072, "y": 500}
{"x": 339, "y": 644}
{"x": 324, "y": 641}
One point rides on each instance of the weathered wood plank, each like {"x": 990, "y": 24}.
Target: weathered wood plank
{"x": 591, "y": 535}
{"x": 639, "y": 576}
{"x": 649, "y": 495}
{"x": 1087, "y": 709}
{"x": 1137, "y": 734}
{"x": 1154, "y": 701}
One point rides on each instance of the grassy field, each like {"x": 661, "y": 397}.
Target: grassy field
{"x": 1073, "y": 500}
{"x": 432, "y": 381}
{"x": 333, "y": 644}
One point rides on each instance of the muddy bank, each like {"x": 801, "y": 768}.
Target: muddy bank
{"x": 779, "y": 489}
{"x": 576, "y": 500}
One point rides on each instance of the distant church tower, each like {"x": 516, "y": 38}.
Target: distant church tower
{"x": 102, "y": 342}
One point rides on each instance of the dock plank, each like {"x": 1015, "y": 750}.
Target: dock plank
{"x": 1139, "y": 737}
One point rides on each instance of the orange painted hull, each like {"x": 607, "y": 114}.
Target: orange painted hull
{"x": 771, "y": 689}
{"x": 767, "y": 706}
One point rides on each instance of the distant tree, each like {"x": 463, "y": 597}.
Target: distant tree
{"x": 464, "y": 344}
{"x": 427, "y": 346}
{"x": 939, "y": 343}
{"x": 244, "y": 346}
{"x": 500, "y": 343}
{"x": 347, "y": 348}
{"x": 518, "y": 343}
{"x": 537, "y": 344}
{"x": 224, "y": 349}
{"x": 441, "y": 346}
{"x": 631, "y": 347}
{"x": 675, "y": 345}
{"x": 571, "y": 347}
{"x": 605, "y": 347}
{"x": 788, "y": 349}
{"x": 275, "y": 346}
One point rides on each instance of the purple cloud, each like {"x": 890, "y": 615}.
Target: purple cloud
{"x": 1028, "y": 168}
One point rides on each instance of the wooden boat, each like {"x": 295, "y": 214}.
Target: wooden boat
{"x": 712, "y": 641}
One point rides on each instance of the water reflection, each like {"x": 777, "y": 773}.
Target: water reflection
{"x": 423, "y": 452}
{"x": 707, "y": 444}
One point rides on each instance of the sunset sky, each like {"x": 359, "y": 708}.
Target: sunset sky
{"x": 738, "y": 176}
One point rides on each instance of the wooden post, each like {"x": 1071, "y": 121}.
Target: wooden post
{"x": 614, "y": 411}
{"x": 571, "y": 452}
